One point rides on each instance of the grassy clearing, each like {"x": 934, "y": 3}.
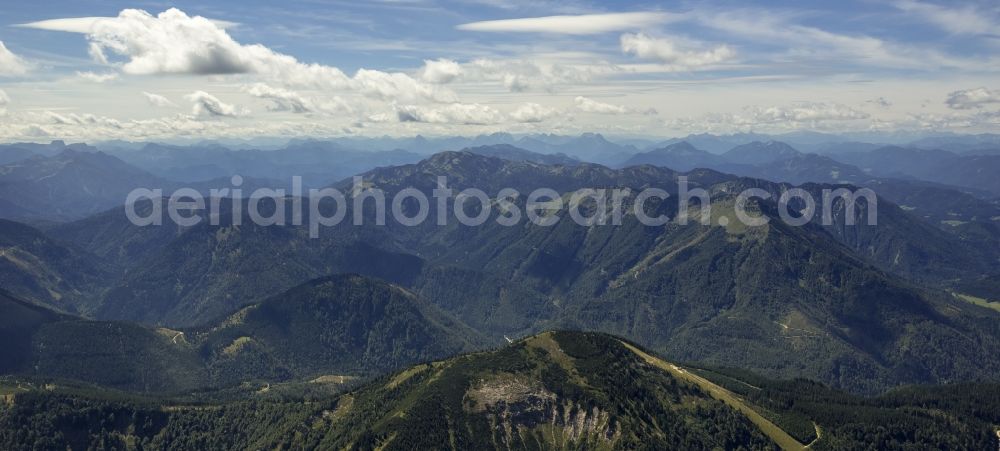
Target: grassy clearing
{"x": 978, "y": 301}
{"x": 237, "y": 345}
{"x": 405, "y": 375}
{"x": 6, "y": 390}
{"x": 332, "y": 379}
{"x": 775, "y": 433}
{"x": 548, "y": 344}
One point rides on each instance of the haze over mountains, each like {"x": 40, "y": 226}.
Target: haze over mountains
{"x": 74, "y": 181}
{"x": 223, "y": 312}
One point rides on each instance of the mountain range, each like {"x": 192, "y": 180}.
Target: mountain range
{"x": 702, "y": 335}
{"x": 694, "y": 292}
{"x": 77, "y": 180}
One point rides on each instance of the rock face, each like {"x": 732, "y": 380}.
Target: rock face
{"x": 518, "y": 405}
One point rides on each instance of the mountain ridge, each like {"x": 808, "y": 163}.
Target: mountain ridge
{"x": 343, "y": 324}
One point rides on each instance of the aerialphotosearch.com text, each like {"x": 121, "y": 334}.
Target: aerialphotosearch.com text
{"x": 328, "y": 207}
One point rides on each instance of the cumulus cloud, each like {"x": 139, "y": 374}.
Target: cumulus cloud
{"x": 158, "y": 100}
{"x": 207, "y": 105}
{"x": 11, "y": 64}
{"x": 469, "y": 114}
{"x": 50, "y": 124}
{"x": 281, "y": 99}
{"x": 532, "y": 112}
{"x": 954, "y": 120}
{"x": 440, "y": 71}
{"x": 516, "y": 75}
{"x": 397, "y": 86}
{"x": 666, "y": 51}
{"x": 807, "y": 112}
{"x": 455, "y": 113}
{"x": 171, "y": 42}
{"x": 592, "y": 106}
{"x": 96, "y": 77}
{"x": 575, "y": 25}
{"x": 515, "y": 82}
{"x": 4, "y": 101}
{"x": 287, "y": 100}
{"x": 82, "y": 119}
{"x": 972, "y": 98}
{"x": 174, "y": 43}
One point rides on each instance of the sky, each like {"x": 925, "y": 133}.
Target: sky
{"x": 150, "y": 70}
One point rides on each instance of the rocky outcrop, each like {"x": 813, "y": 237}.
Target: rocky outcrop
{"x": 518, "y": 406}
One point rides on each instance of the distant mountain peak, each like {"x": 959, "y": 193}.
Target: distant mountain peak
{"x": 514, "y": 153}
{"x": 683, "y": 146}
{"x": 681, "y": 156}
{"x": 592, "y": 137}
{"x": 760, "y": 152}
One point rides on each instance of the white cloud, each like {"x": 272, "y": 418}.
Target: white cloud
{"x": 972, "y": 98}
{"x": 87, "y": 127}
{"x": 81, "y": 119}
{"x": 174, "y": 43}
{"x": 440, "y": 71}
{"x": 802, "y": 115}
{"x": 965, "y": 19}
{"x": 207, "y": 105}
{"x": 955, "y": 121}
{"x": 780, "y": 61}
{"x": 515, "y": 82}
{"x": 592, "y": 106}
{"x": 335, "y": 104}
{"x": 516, "y": 75}
{"x": 96, "y": 77}
{"x": 287, "y": 100}
{"x": 158, "y": 100}
{"x": 171, "y": 42}
{"x": 532, "y": 113}
{"x": 88, "y": 24}
{"x": 4, "y": 101}
{"x": 397, "y": 86}
{"x": 665, "y": 50}
{"x": 96, "y": 53}
{"x": 382, "y": 117}
{"x": 282, "y": 99}
{"x": 815, "y": 44}
{"x": 807, "y": 112}
{"x": 11, "y": 64}
{"x": 576, "y": 25}
{"x": 455, "y": 113}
